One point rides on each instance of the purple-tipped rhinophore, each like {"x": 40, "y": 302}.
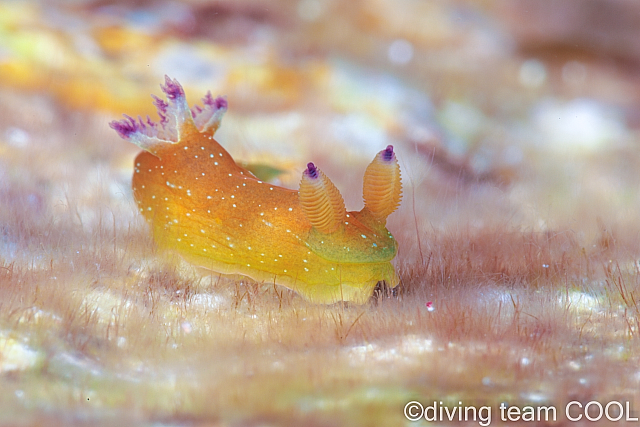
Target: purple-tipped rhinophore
{"x": 387, "y": 154}
{"x": 312, "y": 171}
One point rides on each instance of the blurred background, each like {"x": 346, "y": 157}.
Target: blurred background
{"x": 519, "y": 112}
{"x": 507, "y": 116}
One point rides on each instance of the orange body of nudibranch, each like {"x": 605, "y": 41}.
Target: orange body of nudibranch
{"x": 219, "y": 216}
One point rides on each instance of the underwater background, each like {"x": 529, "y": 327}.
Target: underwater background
{"x": 516, "y": 125}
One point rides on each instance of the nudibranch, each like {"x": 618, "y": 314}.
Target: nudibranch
{"x": 218, "y": 215}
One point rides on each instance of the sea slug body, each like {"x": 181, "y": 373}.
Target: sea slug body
{"x": 219, "y": 216}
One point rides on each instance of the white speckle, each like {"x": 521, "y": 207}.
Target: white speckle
{"x": 202, "y": 231}
{"x": 290, "y": 209}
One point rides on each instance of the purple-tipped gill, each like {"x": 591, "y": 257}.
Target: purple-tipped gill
{"x": 172, "y": 88}
{"x": 125, "y": 127}
{"x": 216, "y": 103}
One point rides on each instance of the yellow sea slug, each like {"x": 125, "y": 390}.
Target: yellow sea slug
{"x": 219, "y": 216}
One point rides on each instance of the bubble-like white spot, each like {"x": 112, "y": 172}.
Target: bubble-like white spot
{"x": 533, "y": 73}
{"x": 310, "y": 10}
{"x": 400, "y": 52}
